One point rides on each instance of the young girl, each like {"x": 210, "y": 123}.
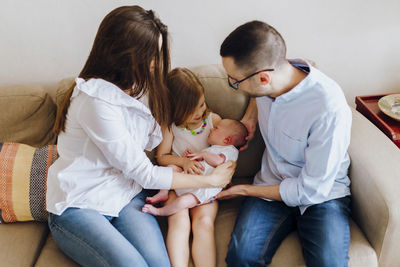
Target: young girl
{"x": 192, "y": 123}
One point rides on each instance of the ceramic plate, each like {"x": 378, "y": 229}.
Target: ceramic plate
{"x": 390, "y": 105}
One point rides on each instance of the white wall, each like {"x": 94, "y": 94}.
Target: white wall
{"x": 356, "y": 42}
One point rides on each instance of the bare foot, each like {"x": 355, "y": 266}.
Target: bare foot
{"x": 148, "y": 208}
{"x": 161, "y": 196}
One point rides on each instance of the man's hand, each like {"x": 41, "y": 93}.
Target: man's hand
{"x": 249, "y": 120}
{"x": 262, "y": 191}
{"x": 251, "y": 128}
{"x": 231, "y": 192}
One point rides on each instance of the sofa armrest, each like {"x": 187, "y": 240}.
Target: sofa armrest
{"x": 375, "y": 178}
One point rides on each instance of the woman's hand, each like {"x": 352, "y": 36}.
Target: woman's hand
{"x": 192, "y": 166}
{"x": 220, "y": 177}
{"x": 222, "y": 174}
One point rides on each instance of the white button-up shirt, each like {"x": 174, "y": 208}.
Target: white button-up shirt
{"x": 102, "y": 163}
{"x": 307, "y": 133}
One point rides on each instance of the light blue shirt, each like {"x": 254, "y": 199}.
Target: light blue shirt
{"x": 306, "y": 132}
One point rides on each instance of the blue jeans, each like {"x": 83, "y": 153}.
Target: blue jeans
{"x": 92, "y": 239}
{"x": 261, "y": 226}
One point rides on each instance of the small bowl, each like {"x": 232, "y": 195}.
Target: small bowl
{"x": 390, "y": 105}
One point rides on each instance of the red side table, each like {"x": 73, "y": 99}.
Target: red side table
{"x": 368, "y": 106}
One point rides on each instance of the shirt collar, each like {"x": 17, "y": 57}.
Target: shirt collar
{"x": 303, "y": 85}
{"x": 108, "y": 92}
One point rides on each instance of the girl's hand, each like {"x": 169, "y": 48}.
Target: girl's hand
{"x": 199, "y": 156}
{"x": 192, "y": 167}
{"x": 222, "y": 174}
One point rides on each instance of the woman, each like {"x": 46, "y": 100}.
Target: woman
{"x": 108, "y": 118}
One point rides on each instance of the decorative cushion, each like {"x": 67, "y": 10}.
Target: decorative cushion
{"x": 23, "y": 176}
{"x": 27, "y": 115}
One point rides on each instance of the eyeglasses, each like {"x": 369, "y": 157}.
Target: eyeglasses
{"x": 235, "y": 85}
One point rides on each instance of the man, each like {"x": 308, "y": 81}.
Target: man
{"x": 305, "y": 123}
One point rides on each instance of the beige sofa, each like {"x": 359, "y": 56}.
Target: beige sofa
{"x": 27, "y": 114}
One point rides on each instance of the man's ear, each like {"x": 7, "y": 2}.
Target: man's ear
{"x": 264, "y": 77}
{"x": 228, "y": 140}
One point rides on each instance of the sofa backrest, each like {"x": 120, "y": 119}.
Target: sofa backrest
{"x": 27, "y": 115}
{"x": 222, "y": 100}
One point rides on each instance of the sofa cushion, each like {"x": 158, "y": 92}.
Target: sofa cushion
{"x": 361, "y": 253}
{"x": 27, "y": 115}
{"x": 21, "y": 243}
{"x": 23, "y": 174}
{"x": 51, "y": 255}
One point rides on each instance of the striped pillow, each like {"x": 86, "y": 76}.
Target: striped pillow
{"x": 23, "y": 175}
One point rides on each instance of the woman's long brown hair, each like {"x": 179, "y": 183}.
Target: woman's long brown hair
{"x": 126, "y": 44}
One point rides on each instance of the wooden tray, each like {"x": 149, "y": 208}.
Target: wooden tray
{"x": 368, "y": 106}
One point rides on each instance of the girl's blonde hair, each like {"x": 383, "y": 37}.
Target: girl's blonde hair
{"x": 185, "y": 91}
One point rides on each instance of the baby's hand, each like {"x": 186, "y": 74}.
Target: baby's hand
{"x": 199, "y": 156}
{"x": 187, "y": 152}
{"x": 192, "y": 167}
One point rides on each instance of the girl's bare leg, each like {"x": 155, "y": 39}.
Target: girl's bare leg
{"x": 203, "y": 247}
{"x": 178, "y": 236}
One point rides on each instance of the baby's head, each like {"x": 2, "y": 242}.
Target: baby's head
{"x": 186, "y": 97}
{"x": 228, "y": 132}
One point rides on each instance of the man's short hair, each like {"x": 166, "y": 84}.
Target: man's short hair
{"x": 255, "y": 45}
